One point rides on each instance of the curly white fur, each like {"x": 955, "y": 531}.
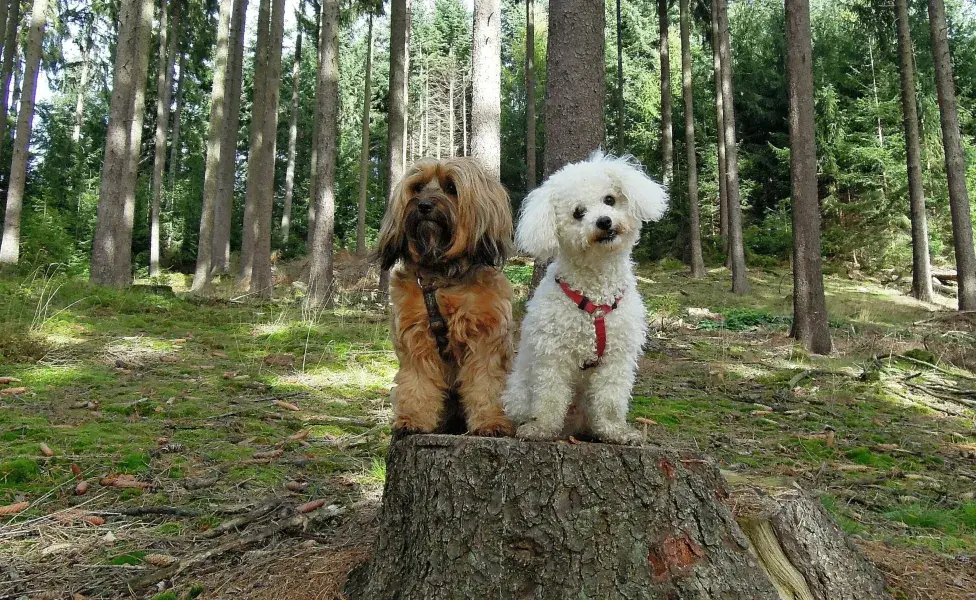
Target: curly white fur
{"x": 559, "y": 219}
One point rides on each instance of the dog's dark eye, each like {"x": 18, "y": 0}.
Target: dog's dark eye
{"x": 609, "y": 200}
{"x": 579, "y": 212}
{"x": 417, "y": 187}
{"x": 450, "y": 188}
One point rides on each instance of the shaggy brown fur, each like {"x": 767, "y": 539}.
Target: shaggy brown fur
{"x": 449, "y": 225}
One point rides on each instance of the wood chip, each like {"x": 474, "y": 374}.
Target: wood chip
{"x": 15, "y": 391}
{"x": 46, "y": 450}
{"x": 286, "y": 405}
{"x": 12, "y": 509}
{"x": 761, "y": 413}
{"x": 217, "y": 354}
{"x": 169, "y": 359}
{"x": 229, "y": 374}
{"x": 301, "y": 435}
{"x": 644, "y": 421}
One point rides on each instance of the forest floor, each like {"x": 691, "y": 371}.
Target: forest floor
{"x": 203, "y": 429}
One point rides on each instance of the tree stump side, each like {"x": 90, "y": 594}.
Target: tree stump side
{"x": 805, "y": 554}
{"x": 497, "y": 518}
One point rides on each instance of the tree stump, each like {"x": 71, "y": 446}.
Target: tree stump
{"x": 468, "y": 517}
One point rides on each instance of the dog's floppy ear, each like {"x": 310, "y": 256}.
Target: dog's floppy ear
{"x": 391, "y": 243}
{"x": 536, "y": 230}
{"x": 648, "y": 199}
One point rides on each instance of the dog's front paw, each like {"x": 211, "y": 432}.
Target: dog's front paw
{"x": 502, "y": 427}
{"x": 533, "y": 432}
{"x": 623, "y": 434}
{"x": 404, "y": 426}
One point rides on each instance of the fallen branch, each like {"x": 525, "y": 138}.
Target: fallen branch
{"x": 937, "y": 368}
{"x": 245, "y": 519}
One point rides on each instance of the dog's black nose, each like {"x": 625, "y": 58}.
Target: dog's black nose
{"x": 425, "y": 206}
{"x": 604, "y": 223}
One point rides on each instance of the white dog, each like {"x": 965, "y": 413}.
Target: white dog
{"x": 586, "y": 323}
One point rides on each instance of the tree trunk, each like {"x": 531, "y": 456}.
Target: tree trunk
{"x": 111, "y": 262}
{"x": 164, "y": 88}
{"x": 694, "y": 220}
{"x": 530, "y": 126}
{"x": 327, "y": 114}
{"x": 621, "y": 146}
{"x": 262, "y": 283}
{"x": 174, "y": 152}
{"x": 364, "y": 151}
{"x": 313, "y": 159}
{"x": 450, "y": 106}
{"x": 921, "y": 275}
{"x": 224, "y": 208}
{"x": 810, "y": 324}
{"x": 202, "y": 276}
{"x": 955, "y": 159}
{"x": 740, "y": 281}
{"x": 4, "y": 5}
{"x": 604, "y": 521}
{"x": 397, "y": 106}
{"x": 296, "y": 69}
{"x": 667, "y": 133}
{"x": 486, "y": 72}
{"x": 465, "y": 150}
{"x": 83, "y": 83}
{"x": 723, "y": 200}
{"x": 9, "y": 53}
{"x": 575, "y": 88}
{"x": 10, "y": 245}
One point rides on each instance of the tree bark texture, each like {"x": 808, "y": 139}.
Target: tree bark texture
{"x": 530, "y": 125}
{"x": 694, "y": 219}
{"x": 810, "y": 323}
{"x": 486, "y": 73}
{"x": 4, "y": 5}
{"x": 296, "y": 69}
{"x": 740, "y": 281}
{"x": 10, "y": 245}
{"x": 168, "y": 36}
{"x": 575, "y": 88}
{"x": 397, "y": 106}
{"x": 621, "y": 134}
{"x": 364, "y": 150}
{"x": 327, "y": 114}
{"x": 256, "y": 249}
{"x": 800, "y": 548}
{"x": 202, "y": 276}
{"x": 224, "y": 208}
{"x": 9, "y": 53}
{"x": 262, "y": 282}
{"x": 955, "y": 159}
{"x": 313, "y": 159}
{"x": 723, "y": 199}
{"x": 499, "y": 518}
{"x": 667, "y": 129}
{"x": 921, "y": 271}
{"x": 111, "y": 262}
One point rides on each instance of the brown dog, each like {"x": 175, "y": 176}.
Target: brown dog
{"x": 449, "y": 226}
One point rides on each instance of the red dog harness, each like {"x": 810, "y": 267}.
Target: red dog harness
{"x": 600, "y": 311}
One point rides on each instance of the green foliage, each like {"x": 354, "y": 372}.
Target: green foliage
{"x": 742, "y": 319}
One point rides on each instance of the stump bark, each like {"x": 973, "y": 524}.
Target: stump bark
{"x": 498, "y": 518}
